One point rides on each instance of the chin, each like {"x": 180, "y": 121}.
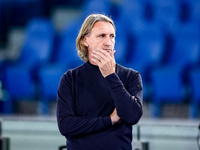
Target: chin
{"x": 109, "y": 52}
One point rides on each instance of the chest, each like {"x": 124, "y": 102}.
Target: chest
{"x": 93, "y": 97}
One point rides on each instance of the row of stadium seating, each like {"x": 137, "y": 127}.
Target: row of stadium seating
{"x": 19, "y": 12}
{"x": 168, "y": 57}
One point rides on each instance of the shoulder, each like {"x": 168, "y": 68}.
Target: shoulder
{"x": 70, "y": 73}
{"x": 74, "y": 70}
{"x": 121, "y": 70}
{"x": 129, "y": 77}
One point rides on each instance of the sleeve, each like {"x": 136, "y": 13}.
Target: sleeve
{"x": 68, "y": 123}
{"x": 129, "y": 109}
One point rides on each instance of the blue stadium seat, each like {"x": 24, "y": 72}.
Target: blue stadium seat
{"x": 5, "y": 103}
{"x": 96, "y": 6}
{"x": 121, "y": 45}
{"x": 66, "y": 51}
{"x": 49, "y": 77}
{"x": 147, "y": 50}
{"x": 38, "y": 42}
{"x": 19, "y": 85}
{"x": 20, "y": 77}
{"x": 186, "y": 46}
{"x": 167, "y": 12}
{"x": 135, "y": 9}
{"x": 18, "y": 82}
{"x": 149, "y": 44}
{"x": 65, "y": 57}
{"x": 168, "y": 87}
{"x": 173, "y": 76}
{"x": 194, "y": 9}
{"x": 132, "y": 14}
{"x": 195, "y": 94}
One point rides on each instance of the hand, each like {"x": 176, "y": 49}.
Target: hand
{"x": 114, "y": 117}
{"x": 105, "y": 61}
{"x": 134, "y": 97}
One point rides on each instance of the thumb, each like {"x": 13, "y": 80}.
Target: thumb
{"x": 113, "y": 52}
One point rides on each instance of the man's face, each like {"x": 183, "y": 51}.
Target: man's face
{"x": 101, "y": 37}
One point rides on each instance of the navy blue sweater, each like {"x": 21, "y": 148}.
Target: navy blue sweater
{"x": 86, "y": 100}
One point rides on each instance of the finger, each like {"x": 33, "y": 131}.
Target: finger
{"x": 108, "y": 54}
{"x": 99, "y": 55}
{"x": 96, "y": 61}
{"x": 113, "y": 52}
{"x": 103, "y": 54}
{"x": 134, "y": 97}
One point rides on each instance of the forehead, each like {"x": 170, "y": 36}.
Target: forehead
{"x": 103, "y": 27}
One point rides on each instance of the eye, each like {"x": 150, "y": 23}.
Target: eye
{"x": 112, "y": 36}
{"x": 102, "y": 35}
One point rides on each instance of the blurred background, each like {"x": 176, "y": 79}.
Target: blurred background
{"x": 158, "y": 38}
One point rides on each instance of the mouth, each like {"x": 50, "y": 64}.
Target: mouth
{"x": 108, "y": 50}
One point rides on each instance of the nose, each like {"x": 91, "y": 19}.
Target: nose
{"x": 108, "y": 41}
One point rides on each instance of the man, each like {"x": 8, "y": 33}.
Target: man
{"x": 99, "y": 101}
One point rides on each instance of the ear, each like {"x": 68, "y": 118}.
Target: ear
{"x": 85, "y": 41}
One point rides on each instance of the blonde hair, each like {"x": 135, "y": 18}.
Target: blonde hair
{"x": 86, "y": 29}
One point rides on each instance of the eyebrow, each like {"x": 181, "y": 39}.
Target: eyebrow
{"x": 106, "y": 34}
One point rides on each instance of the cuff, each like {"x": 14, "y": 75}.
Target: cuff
{"x": 107, "y": 121}
{"x": 113, "y": 79}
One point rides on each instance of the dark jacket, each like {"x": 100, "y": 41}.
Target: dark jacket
{"x": 86, "y": 100}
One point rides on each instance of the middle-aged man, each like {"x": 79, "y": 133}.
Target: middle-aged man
{"x": 99, "y": 101}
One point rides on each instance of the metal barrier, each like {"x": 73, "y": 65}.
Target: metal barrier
{"x": 140, "y": 145}
{"x": 4, "y": 141}
{"x": 62, "y": 147}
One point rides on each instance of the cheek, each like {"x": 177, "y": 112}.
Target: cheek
{"x": 113, "y": 41}
{"x": 89, "y": 51}
{"x": 95, "y": 46}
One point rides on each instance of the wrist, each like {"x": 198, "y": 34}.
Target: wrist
{"x": 115, "y": 119}
{"x": 112, "y": 120}
{"x": 108, "y": 74}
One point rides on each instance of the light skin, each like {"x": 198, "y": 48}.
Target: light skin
{"x": 100, "y": 43}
